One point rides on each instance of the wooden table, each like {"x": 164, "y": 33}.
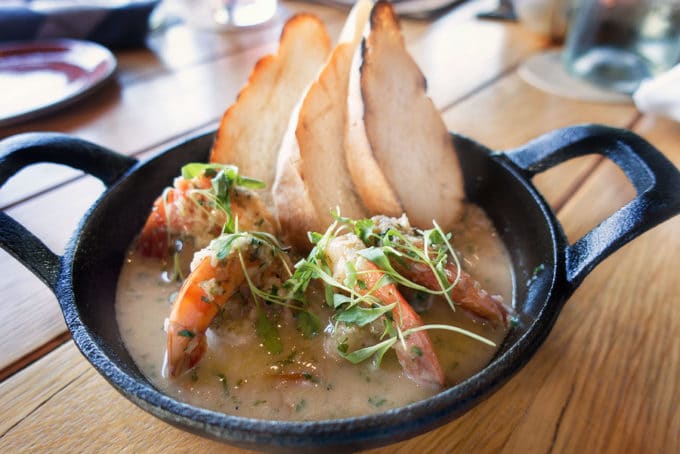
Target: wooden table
{"x": 606, "y": 379}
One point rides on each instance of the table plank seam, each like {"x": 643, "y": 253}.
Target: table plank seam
{"x": 487, "y": 83}
{"x": 208, "y": 59}
{"x": 578, "y": 184}
{"x": 563, "y": 410}
{"x": 35, "y": 355}
{"x": 194, "y": 130}
{"x": 40, "y": 405}
{"x": 43, "y": 191}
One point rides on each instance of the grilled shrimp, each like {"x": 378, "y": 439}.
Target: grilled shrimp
{"x": 415, "y": 354}
{"x": 467, "y": 293}
{"x": 190, "y": 209}
{"x": 218, "y": 272}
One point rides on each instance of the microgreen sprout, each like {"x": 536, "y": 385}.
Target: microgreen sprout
{"x": 431, "y": 248}
{"x": 223, "y": 178}
{"x": 266, "y": 248}
{"x": 357, "y": 305}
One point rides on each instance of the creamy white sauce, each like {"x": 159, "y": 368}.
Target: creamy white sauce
{"x": 307, "y": 381}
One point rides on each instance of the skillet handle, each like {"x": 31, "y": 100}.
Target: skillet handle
{"x": 21, "y": 151}
{"x": 654, "y": 177}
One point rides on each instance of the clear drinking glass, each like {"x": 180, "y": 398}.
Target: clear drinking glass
{"x": 218, "y": 15}
{"x": 618, "y": 43}
{"x": 243, "y": 13}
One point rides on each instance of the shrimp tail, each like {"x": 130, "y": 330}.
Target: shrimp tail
{"x": 470, "y": 295}
{"x": 416, "y": 359}
{"x": 184, "y": 349}
{"x": 467, "y": 293}
{"x": 153, "y": 240}
{"x": 205, "y": 291}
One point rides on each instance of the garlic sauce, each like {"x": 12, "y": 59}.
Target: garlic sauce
{"x": 308, "y": 380}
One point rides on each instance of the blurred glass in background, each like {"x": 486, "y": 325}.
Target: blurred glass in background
{"x": 616, "y": 44}
{"x": 217, "y": 15}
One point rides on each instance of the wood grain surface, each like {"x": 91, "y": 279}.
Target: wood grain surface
{"x": 607, "y": 378}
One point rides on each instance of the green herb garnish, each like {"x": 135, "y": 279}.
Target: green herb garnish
{"x": 356, "y": 304}
{"x": 300, "y": 405}
{"x": 223, "y": 178}
{"x": 377, "y": 351}
{"x": 308, "y": 324}
{"x": 223, "y": 381}
{"x": 377, "y": 401}
{"x": 362, "y": 316}
{"x": 268, "y": 333}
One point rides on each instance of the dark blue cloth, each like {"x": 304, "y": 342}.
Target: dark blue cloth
{"x": 117, "y": 26}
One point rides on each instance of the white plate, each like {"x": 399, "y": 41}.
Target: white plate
{"x": 37, "y": 77}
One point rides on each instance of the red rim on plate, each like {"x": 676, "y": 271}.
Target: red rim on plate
{"x": 38, "y": 77}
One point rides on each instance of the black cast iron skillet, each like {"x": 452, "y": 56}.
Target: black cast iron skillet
{"x": 84, "y": 278}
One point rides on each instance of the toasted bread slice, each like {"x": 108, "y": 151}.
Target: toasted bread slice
{"x": 294, "y": 208}
{"x": 312, "y": 175}
{"x": 367, "y": 176}
{"x": 321, "y": 128}
{"x": 251, "y": 130}
{"x": 398, "y": 149}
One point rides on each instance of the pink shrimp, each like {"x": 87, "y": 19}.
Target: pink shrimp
{"x": 202, "y": 295}
{"x": 416, "y": 353}
{"x": 189, "y": 210}
{"x": 467, "y": 293}
{"x": 173, "y": 213}
{"x": 186, "y": 210}
{"x": 211, "y": 284}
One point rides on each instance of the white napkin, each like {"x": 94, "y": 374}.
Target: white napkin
{"x": 660, "y": 95}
